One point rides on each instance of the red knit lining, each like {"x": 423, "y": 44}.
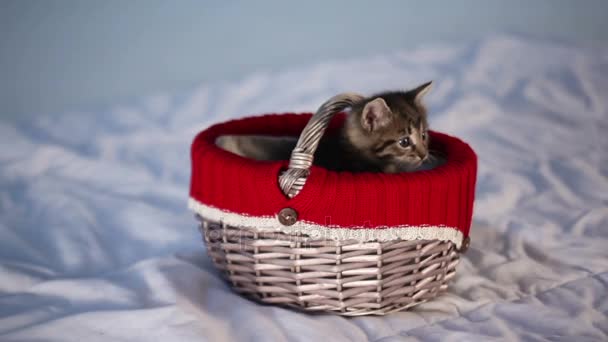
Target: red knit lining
{"x": 442, "y": 196}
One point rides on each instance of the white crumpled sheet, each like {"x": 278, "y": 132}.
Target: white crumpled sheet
{"x": 96, "y": 242}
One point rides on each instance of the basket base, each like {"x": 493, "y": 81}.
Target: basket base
{"x": 349, "y": 278}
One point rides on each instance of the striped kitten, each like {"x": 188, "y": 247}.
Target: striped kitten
{"x": 386, "y": 132}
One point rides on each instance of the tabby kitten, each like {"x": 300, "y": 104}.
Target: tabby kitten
{"x": 387, "y": 132}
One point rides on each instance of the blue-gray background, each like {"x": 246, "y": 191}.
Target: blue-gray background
{"x": 64, "y": 55}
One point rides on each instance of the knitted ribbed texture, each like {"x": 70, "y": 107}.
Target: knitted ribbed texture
{"x": 439, "y": 197}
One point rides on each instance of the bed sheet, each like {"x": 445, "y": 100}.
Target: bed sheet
{"x": 96, "y": 242}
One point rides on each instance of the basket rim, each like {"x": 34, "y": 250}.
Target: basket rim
{"x": 456, "y": 150}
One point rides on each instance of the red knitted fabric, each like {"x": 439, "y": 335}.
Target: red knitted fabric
{"x": 442, "y": 196}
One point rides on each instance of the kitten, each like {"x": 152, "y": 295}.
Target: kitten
{"x": 387, "y": 132}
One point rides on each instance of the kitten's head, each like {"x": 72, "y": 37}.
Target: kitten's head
{"x": 389, "y": 130}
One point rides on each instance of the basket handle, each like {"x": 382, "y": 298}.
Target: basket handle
{"x": 293, "y": 179}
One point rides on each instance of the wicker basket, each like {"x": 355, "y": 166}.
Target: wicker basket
{"x": 273, "y": 240}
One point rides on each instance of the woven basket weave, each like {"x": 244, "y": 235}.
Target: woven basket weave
{"x": 277, "y": 264}
{"x": 345, "y": 277}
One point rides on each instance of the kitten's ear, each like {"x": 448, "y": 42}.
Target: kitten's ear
{"x": 375, "y": 114}
{"x": 420, "y": 91}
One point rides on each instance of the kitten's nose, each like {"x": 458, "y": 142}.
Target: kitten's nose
{"x": 422, "y": 155}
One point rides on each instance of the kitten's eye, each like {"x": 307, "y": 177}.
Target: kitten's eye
{"x": 404, "y": 142}
{"x": 424, "y": 135}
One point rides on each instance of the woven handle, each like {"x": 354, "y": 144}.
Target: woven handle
{"x": 293, "y": 180}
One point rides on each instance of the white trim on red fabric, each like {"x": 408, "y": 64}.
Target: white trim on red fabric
{"x": 314, "y": 230}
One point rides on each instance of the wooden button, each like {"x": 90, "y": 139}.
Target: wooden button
{"x": 288, "y": 216}
{"x": 466, "y": 243}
